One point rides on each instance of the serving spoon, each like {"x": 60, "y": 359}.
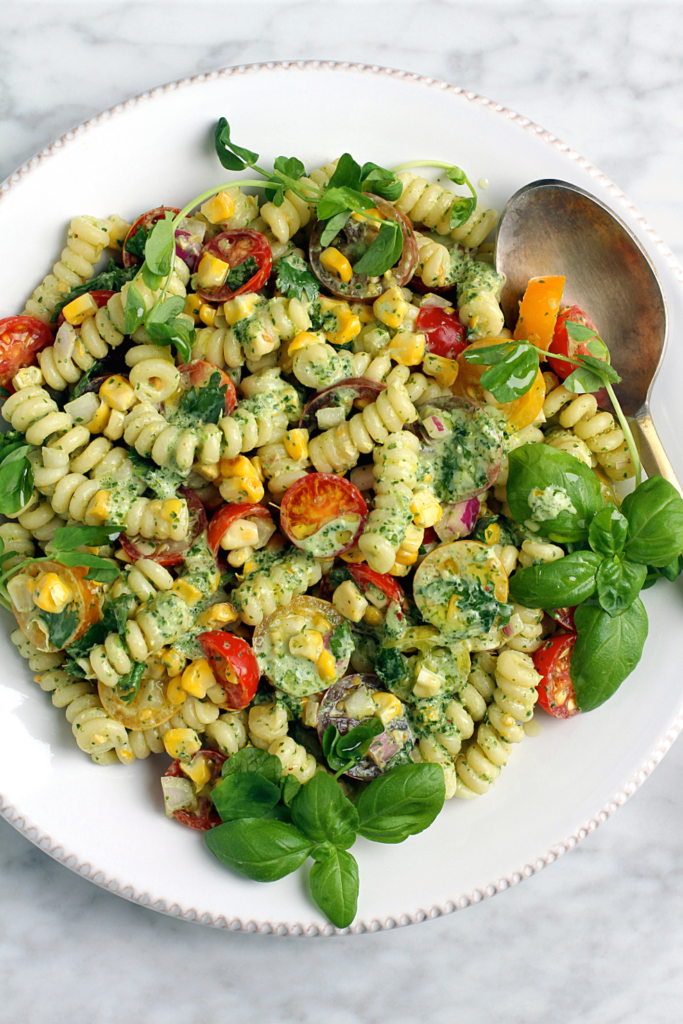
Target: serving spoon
{"x": 554, "y": 227}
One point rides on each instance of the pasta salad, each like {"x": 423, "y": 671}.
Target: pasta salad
{"x": 287, "y": 501}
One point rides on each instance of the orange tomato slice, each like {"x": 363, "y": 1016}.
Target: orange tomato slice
{"x": 538, "y": 311}
{"x": 519, "y": 413}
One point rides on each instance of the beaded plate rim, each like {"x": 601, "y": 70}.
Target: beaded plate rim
{"x": 70, "y": 860}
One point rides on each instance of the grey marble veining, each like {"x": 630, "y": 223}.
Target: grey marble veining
{"x": 598, "y": 937}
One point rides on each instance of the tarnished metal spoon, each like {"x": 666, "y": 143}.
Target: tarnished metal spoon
{"x": 554, "y": 227}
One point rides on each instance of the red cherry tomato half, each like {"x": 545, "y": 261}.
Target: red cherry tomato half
{"x": 99, "y": 295}
{"x": 444, "y": 334}
{"x": 556, "y": 691}
{"x": 144, "y": 222}
{"x": 566, "y": 346}
{"x": 233, "y": 248}
{"x": 226, "y": 516}
{"x": 198, "y": 374}
{"x": 364, "y": 576}
{"x": 234, "y": 665}
{"x": 430, "y": 536}
{"x": 206, "y": 816}
{"x": 317, "y": 501}
{"x": 170, "y": 552}
{"x": 21, "y": 339}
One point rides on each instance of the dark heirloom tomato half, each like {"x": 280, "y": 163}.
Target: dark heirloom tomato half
{"x": 316, "y": 501}
{"x": 21, "y": 339}
{"x": 444, "y": 334}
{"x": 353, "y": 241}
{"x": 344, "y": 393}
{"x": 234, "y": 665}
{"x": 198, "y": 374}
{"x": 99, "y": 296}
{"x": 169, "y": 552}
{"x": 556, "y": 691}
{"x": 233, "y": 248}
{"x": 145, "y": 222}
{"x": 563, "y": 344}
{"x": 206, "y": 816}
{"x": 229, "y": 514}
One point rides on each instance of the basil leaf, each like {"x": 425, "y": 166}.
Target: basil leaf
{"x": 235, "y": 158}
{"x": 153, "y": 281}
{"x": 289, "y": 788}
{"x": 166, "y": 311}
{"x": 384, "y": 252}
{"x": 176, "y": 332}
{"x": 341, "y": 641}
{"x": 461, "y": 211}
{"x": 160, "y": 246}
{"x": 538, "y": 469}
{"x": 16, "y": 486}
{"x": 259, "y": 848}
{"x": 14, "y": 453}
{"x": 128, "y": 685}
{"x": 619, "y": 583}
{"x": 333, "y": 227}
{"x": 101, "y": 569}
{"x": 514, "y": 374}
{"x": 135, "y": 310}
{"x": 560, "y": 584}
{"x": 244, "y": 795}
{"x": 323, "y": 813}
{"x": 457, "y": 175}
{"x": 68, "y": 538}
{"x": 401, "y": 803}
{"x": 251, "y": 759}
{"x": 336, "y": 200}
{"x": 655, "y": 522}
{"x": 61, "y": 626}
{"x": 334, "y": 886}
{"x": 347, "y": 173}
{"x": 607, "y": 532}
{"x": 607, "y": 650}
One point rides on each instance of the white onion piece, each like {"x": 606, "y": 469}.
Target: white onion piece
{"x": 83, "y": 408}
{"x": 179, "y": 795}
{"x": 65, "y": 340}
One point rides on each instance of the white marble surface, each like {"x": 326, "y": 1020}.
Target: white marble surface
{"x": 597, "y": 938}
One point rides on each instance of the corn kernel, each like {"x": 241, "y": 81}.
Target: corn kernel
{"x": 348, "y": 326}
{"x": 257, "y": 463}
{"x": 399, "y": 570}
{"x": 117, "y": 393}
{"x": 98, "y": 509}
{"x": 181, "y": 743}
{"x": 335, "y": 261}
{"x": 426, "y": 509}
{"x": 173, "y": 661}
{"x": 50, "y": 593}
{"x": 217, "y": 615}
{"x": 100, "y": 420}
{"x": 407, "y": 349}
{"x": 238, "y": 467}
{"x": 304, "y": 339}
{"x": 242, "y": 488}
{"x": 296, "y": 444}
{"x": 207, "y": 314}
{"x": 187, "y": 591}
{"x": 218, "y": 209}
{"x": 211, "y": 272}
{"x": 391, "y": 307}
{"x": 171, "y": 510}
{"x": 240, "y": 307}
{"x": 387, "y": 705}
{"x": 321, "y": 623}
{"x": 364, "y": 312}
{"x": 174, "y": 691}
{"x": 373, "y": 616}
{"x": 198, "y": 770}
{"x": 80, "y": 309}
{"x": 308, "y": 644}
{"x": 445, "y": 371}
{"x": 353, "y": 555}
{"x": 193, "y": 303}
{"x": 492, "y": 533}
{"x": 406, "y": 557}
{"x": 198, "y": 678}
{"x": 326, "y": 666}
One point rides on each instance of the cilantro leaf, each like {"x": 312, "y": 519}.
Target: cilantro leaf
{"x": 206, "y": 403}
{"x": 164, "y": 482}
{"x": 60, "y": 625}
{"x": 242, "y": 273}
{"x": 294, "y": 278}
{"x": 341, "y": 641}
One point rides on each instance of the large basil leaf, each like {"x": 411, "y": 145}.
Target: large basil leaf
{"x": 607, "y": 533}
{"x": 619, "y": 583}
{"x": 401, "y": 803}
{"x": 655, "y": 522}
{"x": 560, "y": 584}
{"x": 607, "y": 650}
{"x": 550, "y": 477}
{"x": 334, "y": 884}
{"x": 259, "y": 848}
{"x": 244, "y": 795}
{"x": 324, "y": 814}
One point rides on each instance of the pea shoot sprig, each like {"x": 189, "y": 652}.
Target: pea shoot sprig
{"x": 463, "y": 208}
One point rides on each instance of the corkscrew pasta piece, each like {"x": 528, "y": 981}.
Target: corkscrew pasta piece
{"x": 597, "y": 429}
{"x": 317, "y": 365}
{"x": 35, "y": 414}
{"x": 40, "y": 520}
{"x": 513, "y": 702}
{"x": 268, "y": 723}
{"x": 228, "y": 733}
{"x": 262, "y": 591}
{"x": 86, "y": 239}
{"x": 280, "y": 469}
{"x": 95, "y": 732}
{"x": 259, "y": 326}
{"x": 339, "y": 448}
{"x": 152, "y": 436}
{"x": 77, "y": 349}
{"x": 527, "y": 624}
{"x": 294, "y": 213}
{"x": 483, "y": 674}
{"x": 396, "y": 468}
{"x": 294, "y": 758}
{"x": 262, "y": 417}
{"x": 39, "y": 661}
{"x": 16, "y": 538}
{"x": 434, "y": 261}
{"x": 430, "y": 204}
{"x": 195, "y": 713}
{"x": 533, "y": 552}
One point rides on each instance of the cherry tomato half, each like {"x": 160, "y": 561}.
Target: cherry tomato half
{"x": 233, "y": 248}
{"x": 444, "y": 334}
{"x": 520, "y": 412}
{"x": 323, "y": 514}
{"x": 556, "y": 691}
{"x": 206, "y": 816}
{"x": 198, "y": 374}
{"x": 21, "y": 338}
{"x": 565, "y": 617}
{"x": 229, "y": 514}
{"x": 364, "y": 577}
{"x": 100, "y": 296}
{"x": 169, "y": 552}
{"x": 234, "y": 665}
{"x": 143, "y": 223}
{"x": 85, "y": 604}
{"x": 566, "y": 346}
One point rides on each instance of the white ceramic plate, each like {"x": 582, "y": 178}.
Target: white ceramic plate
{"x": 108, "y": 823}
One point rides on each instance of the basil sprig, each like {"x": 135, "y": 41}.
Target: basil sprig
{"x": 16, "y": 472}
{"x": 344, "y": 752}
{"x": 272, "y": 824}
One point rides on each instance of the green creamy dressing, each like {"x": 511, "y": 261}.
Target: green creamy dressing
{"x": 548, "y": 503}
{"x": 478, "y": 607}
{"x": 330, "y": 538}
{"x": 292, "y": 574}
{"x": 296, "y": 676}
{"x": 460, "y": 463}
{"x": 200, "y": 567}
{"x": 472, "y": 277}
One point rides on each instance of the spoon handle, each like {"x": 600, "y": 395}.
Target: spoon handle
{"x": 652, "y": 455}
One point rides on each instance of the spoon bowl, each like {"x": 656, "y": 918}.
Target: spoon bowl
{"x": 554, "y": 227}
